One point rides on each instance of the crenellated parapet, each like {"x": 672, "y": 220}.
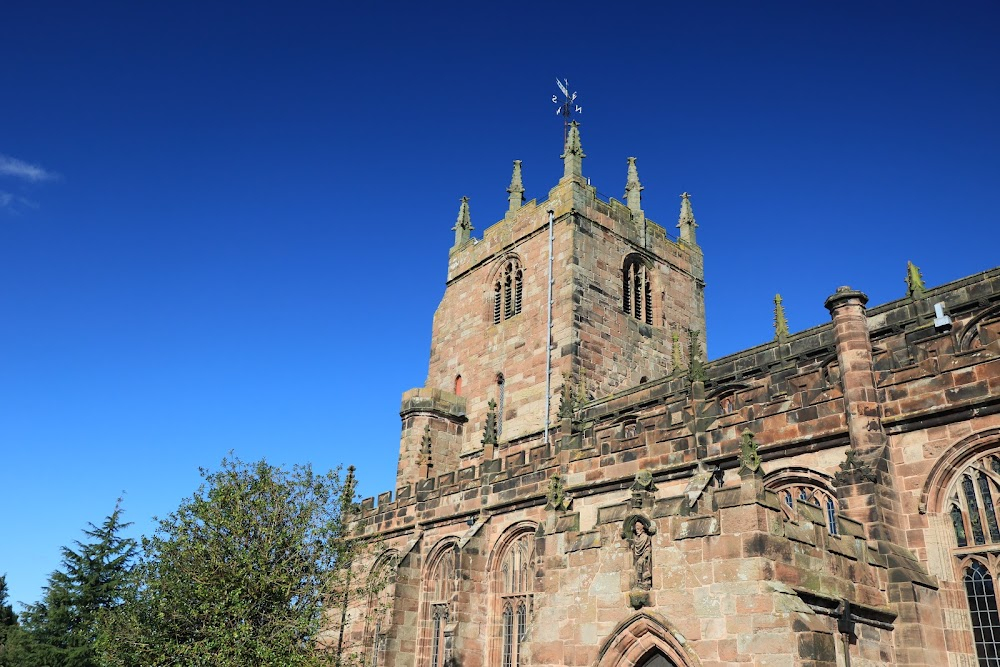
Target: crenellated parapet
{"x": 790, "y": 393}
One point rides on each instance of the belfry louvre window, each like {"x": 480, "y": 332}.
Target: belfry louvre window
{"x": 513, "y": 584}
{"x": 508, "y": 292}
{"x": 637, "y": 289}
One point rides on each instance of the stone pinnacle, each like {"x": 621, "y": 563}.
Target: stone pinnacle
{"x": 463, "y": 226}
{"x": 686, "y": 221}
{"x": 633, "y": 189}
{"x": 780, "y": 323}
{"x": 573, "y": 154}
{"x": 516, "y": 188}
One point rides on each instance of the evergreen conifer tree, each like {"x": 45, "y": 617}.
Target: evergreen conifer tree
{"x": 8, "y": 621}
{"x": 61, "y": 629}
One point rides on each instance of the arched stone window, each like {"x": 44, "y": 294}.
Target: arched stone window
{"x": 805, "y": 486}
{"x": 381, "y": 585}
{"x": 970, "y": 506}
{"x": 513, "y": 582}
{"x": 440, "y": 587}
{"x": 981, "y": 593}
{"x": 637, "y": 289}
{"x": 508, "y": 291}
{"x": 972, "y": 503}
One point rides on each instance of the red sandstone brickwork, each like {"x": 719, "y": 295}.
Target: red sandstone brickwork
{"x": 740, "y": 577}
{"x": 592, "y": 339}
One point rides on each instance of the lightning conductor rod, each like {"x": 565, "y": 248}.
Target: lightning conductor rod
{"x": 548, "y": 342}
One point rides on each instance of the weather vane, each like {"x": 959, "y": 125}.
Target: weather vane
{"x": 567, "y": 106}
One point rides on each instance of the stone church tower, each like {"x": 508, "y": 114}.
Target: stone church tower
{"x": 578, "y": 485}
{"x": 500, "y": 336}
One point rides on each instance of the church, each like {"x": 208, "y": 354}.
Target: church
{"x": 578, "y": 485}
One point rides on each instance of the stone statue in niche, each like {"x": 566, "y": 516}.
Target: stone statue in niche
{"x": 642, "y": 558}
{"x": 638, "y": 531}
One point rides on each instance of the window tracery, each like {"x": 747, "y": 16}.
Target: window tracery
{"x": 973, "y": 501}
{"x": 971, "y": 507}
{"x": 513, "y": 584}
{"x": 980, "y": 590}
{"x": 381, "y": 584}
{"x": 793, "y": 491}
{"x": 508, "y": 292}
{"x": 440, "y": 589}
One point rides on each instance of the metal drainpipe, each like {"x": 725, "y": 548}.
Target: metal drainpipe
{"x": 548, "y": 342}
{"x": 844, "y": 625}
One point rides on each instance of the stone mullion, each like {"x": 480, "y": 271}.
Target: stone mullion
{"x": 636, "y": 292}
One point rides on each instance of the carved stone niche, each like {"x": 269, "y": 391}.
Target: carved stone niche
{"x": 637, "y": 531}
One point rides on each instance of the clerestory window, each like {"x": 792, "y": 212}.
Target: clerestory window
{"x": 637, "y": 289}
{"x": 508, "y": 292}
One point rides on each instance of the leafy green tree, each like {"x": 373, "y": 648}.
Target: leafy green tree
{"x": 240, "y": 574}
{"x": 61, "y": 629}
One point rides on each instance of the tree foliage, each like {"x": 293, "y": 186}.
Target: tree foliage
{"x": 61, "y": 629}
{"x": 240, "y": 574}
{"x": 8, "y": 620}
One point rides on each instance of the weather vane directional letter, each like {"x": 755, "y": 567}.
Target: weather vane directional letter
{"x": 567, "y": 106}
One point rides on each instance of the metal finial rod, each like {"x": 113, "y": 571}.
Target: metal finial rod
{"x": 566, "y": 106}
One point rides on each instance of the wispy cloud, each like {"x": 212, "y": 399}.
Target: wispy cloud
{"x": 11, "y": 166}
{"x": 15, "y": 204}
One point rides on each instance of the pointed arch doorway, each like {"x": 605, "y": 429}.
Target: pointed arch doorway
{"x": 656, "y": 659}
{"x": 645, "y": 640}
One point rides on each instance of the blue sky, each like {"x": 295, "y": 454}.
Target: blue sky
{"x": 224, "y": 226}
